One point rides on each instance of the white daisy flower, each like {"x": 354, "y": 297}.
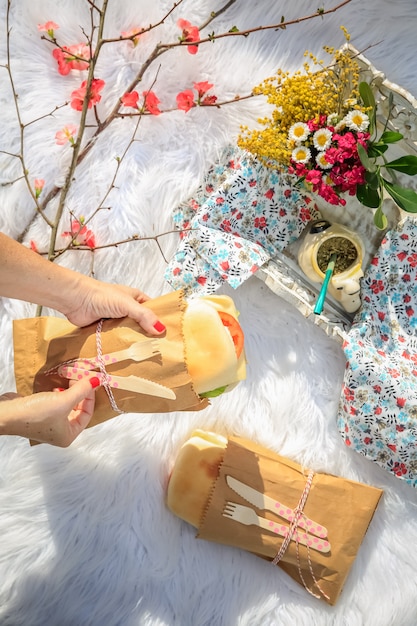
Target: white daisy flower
{"x": 350, "y": 103}
{"x": 340, "y": 126}
{"x": 301, "y": 154}
{"x": 322, "y": 139}
{"x": 356, "y": 120}
{"x": 298, "y": 132}
{"x": 332, "y": 119}
{"x": 322, "y": 163}
{"x": 406, "y": 124}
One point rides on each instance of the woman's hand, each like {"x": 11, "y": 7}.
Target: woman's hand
{"x": 95, "y": 300}
{"x": 55, "y": 417}
{"x": 83, "y": 300}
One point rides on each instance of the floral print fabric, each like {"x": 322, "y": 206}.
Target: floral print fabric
{"x": 240, "y": 217}
{"x": 378, "y": 407}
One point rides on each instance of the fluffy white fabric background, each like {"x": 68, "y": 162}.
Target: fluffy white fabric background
{"x": 85, "y": 534}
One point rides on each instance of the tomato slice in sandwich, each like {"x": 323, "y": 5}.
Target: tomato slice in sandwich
{"x": 234, "y": 329}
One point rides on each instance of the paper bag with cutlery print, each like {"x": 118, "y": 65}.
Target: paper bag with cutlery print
{"x": 41, "y": 344}
{"x": 341, "y": 508}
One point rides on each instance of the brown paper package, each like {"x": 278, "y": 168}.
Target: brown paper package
{"x": 343, "y": 506}
{"x": 43, "y": 343}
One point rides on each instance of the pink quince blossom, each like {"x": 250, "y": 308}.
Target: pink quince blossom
{"x": 48, "y": 27}
{"x": 81, "y": 235}
{"x": 202, "y": 88}
{"x": 69, "y": 58}
{"x": 66, "y": 134}
{"x": 185, "y": 100}
{"x": 78, "y": 96}
{"x": 38, "y": 183}
{"x": 129, "y": 34}
{"x": 151, "y": 103}
{"x": 207, "y": 100}
{"x": 190, "y": 33}
{"x": 130, "y": 99}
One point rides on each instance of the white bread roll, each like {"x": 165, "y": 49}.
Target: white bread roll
{"x": 210, "y": 351}
{"x": 192, "y": 478}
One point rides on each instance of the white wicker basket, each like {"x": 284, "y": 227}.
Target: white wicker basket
{"x": 283, "y": 274}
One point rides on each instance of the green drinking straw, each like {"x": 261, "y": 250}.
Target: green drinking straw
{"x": 329, "y": 271}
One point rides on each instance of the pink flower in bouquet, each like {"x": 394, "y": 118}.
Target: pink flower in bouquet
{"x": 130, "y": 99}
{"x": 185, "y": 100}
{"x": 326, "y": 154}
{"x": 190, "y": 33}
{"x": 66, "y": 134}
{"x": 82, "y": 235}
{"x": 69, "y": 58}
{"x": 78, "y": 96}
{"x": 48, "y": 27}
{"x": 151, "y": 103}
{"x": 38, "y": 184}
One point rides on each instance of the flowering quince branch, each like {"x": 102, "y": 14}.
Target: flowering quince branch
{"x": 79, "y": 227}
{"x": 87, "y": 247}
{"x": 283, "y": 24}
{"x": 83, "y": 57}
{"x": 35, "y": 194}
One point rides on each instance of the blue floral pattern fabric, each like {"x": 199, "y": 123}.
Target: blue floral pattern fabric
{"x": 378, "y": 407}
{"x": 240, "y": 217}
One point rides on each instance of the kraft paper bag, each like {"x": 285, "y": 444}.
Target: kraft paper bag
{"x": 41, "y": 344}
{"x": 344, "y": 507}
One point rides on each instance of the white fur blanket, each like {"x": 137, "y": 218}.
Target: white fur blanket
{"x": 86, "y": 538}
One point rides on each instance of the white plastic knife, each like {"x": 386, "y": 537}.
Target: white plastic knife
{"x": 128, "y": 383}
{"x": 266, "y": 503}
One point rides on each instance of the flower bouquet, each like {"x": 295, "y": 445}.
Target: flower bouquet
{"x": 324, "y": 129}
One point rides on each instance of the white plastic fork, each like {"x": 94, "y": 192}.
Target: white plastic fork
{"x": 247, "y": 516}
{"x": 138, "y": 351}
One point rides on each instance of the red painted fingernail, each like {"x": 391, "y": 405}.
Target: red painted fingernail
{"x": 59, "y": 389}
{"x": 94, "y": 382}
{"x": 159, "y": 327}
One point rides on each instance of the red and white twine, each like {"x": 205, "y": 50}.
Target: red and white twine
{"x": 299, "y": 512}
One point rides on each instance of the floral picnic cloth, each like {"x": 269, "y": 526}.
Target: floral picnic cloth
{"x": 378, "y": 407}
{"x": 240, "y": 217}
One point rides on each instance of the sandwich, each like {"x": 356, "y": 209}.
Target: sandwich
{"x": 214, "y": 345}
{"x": 201, "y": 355}
{"x": 238, "y": 493}
{"x": 194, "y": 474}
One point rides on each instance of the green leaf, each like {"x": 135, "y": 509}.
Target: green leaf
{"x": 406, "y": 164}
{"x": 366, "y": 162}
{"x": 380, "y": 219}
{"x": 367, "y": 95}
{"x": 390, "y": 136}
{"x": 368, "y": 196}
{"x": 214, "y": 393}
{"x": 234, "y": 29}
{"x": 376, "y": 149}
{"x": 368, "y": 99}
{"x": 283, "y": 27}
{"x": 372, "y": 180}
{"x": 405, "y": 198}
